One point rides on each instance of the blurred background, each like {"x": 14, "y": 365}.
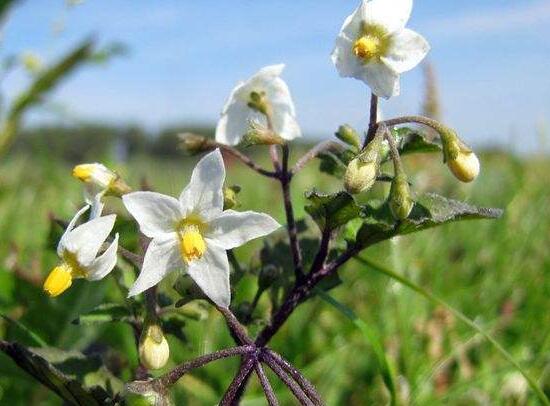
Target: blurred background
{"x": 117, "y": 81}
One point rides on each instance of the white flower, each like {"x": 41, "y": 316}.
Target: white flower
{"x": 237, "y": 114}
{"x": 78, "y": 249}
{"x": 193, "y": 232}
{"x": 374, "y": 46}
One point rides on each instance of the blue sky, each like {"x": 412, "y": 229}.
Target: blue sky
{"x": 492, "y": 59}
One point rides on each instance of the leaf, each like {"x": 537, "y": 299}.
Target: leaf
{"x": 459, "y": 315}
{"x": 105, "y": 313}
{"x": 413, "y": 141}
{"x": 371, "y": 336}
{"x": 47, "y": 80}
{"x": 35, "y": 337}
{"x": 430, "y": 210}
{"x": 60, "y": 372}
{"x": 331, "y": 211}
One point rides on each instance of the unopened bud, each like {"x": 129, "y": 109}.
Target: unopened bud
{"x": 259, "y": 134}
{"x": 362, "y": 171}
{"x": 401, "y": 202}
{"x": 460, "y": 159}
{"x": 269, "y": 274}
{"x": 101, "y": 177}
{"x": 230, "y": 197}
{"x": 194, "y": 143}
{"x": 348, "y": 135}
{"x": 153, "y": 347}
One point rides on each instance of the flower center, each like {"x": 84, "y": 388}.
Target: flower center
{"x": 192, "y": 244}
{"x": 367, "y": 47}
{"x": 83, "y": 172}
{"x": 59, "y": 280}
{"x": 371, "y": 43}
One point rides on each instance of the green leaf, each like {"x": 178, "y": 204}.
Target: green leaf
{"x": 430, "y": 210}
{"x": 35, "y": 337}
{"x": 105, "y": 313}
{"x": 331, "y": 210}
{"x": 335, "y": 162}
{"x": 459, "y": 315}
{"x": 60, "y": 371}
{"x": 371, "y": 336}
{"x": 412, "y": 141}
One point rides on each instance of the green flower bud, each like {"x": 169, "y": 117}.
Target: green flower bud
{"x": 460, "y": 159}
{"x": 194, "y": 143}
{"x": 348, "y": 135}
{"x": 153, "y": 347}
{"x": 401, "y": 202}
{"x": 362, "y": 171}
{"x": 258, "y": 134}
{"x": 230, "y": 197}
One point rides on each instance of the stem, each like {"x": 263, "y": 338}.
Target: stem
{"x": 436, "y": 125}
{"x": 292, "y": 385}
{"x": 247, "y": 161}
{"x": 291, "y": 223}
{"x": 235, "y": 327}
{"x": 266, "y": 386}
{"x": 175, "y": 374}
{"x": 394, "y": 152}
{"x": 234, "y": 387}
{"x": 304, "y": 383}
{"x": 373, "y": 119}
{"x": 313, "y": 153}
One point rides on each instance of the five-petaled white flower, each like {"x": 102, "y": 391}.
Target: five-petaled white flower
{"x": 193, "y": 232}
{"x": 374, "y": 46}
{"x": 267, "y": 87}
{"x": 78, "y": 249}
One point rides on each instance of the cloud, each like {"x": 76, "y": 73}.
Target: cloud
{"x": 497, "y": 20}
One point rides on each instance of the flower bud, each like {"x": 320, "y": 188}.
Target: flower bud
{"x": 194, "y": 143}
{"x": 230, "y": 197}
{"x": 258, "y": 134}
{"x": 101, "y": 177}
{"x": 401, "y": 202}
{"x": 153, "y": 347}
{"x": 269, "y": 274}
{"x": 460, "y": 159}
{"x": 362, "y": 171}
{"x": 348, "y": 135}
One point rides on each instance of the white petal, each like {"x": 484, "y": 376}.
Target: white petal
{"x": 407, "y": 50}
{"x": 352, "y": 24}
{"x": 204, "y": 194}
{"x": 233, "y": 124}
{"x": 286, "y": 126}
{"x": 157, "y": 214}
{"x": 383, "y": 80}
{"x": 232, "y": 229}
{"x": 390, "y": 14}
{"x": 94, "y": 197}
{"x": 161, "y": 258}
{"x": 347, "y": 64}
{"x": 105, "y": 263}
{"x": 268, "y": 72}
{"x": 211, "y": 273}
{"x": 70, "y": 226}
{"x": 86, "y": 239}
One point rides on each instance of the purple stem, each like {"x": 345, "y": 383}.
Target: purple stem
{"x": 266, "y": 386}
{"x": 296, "y": 390}
{"x": 229, "y": 398}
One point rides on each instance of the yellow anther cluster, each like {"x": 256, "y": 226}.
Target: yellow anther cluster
{"x": 192, "y": 244}
{"x": 83, "y": 172}
{"x": 59, "y": 280}
{"x": 367, "y": 47}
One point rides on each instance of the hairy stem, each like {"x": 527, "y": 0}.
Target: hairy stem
{"x": 313, "y": 153}
{"x": 436, "y": 125}
{"x": 304, "y": 383}
{"x": 291, "y": 223}
{"x": 373, "y": 119}
{"x": 236, "y": 328}
{"x": 229, "y": 398}
{"x": 175, "y": 374}
{"x": 296, "y": 390}
{"x": 247, "y": 161}
{"x": 266, "y": 386}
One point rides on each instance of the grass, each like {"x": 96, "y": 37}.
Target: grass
{"x": 495, "y": 272}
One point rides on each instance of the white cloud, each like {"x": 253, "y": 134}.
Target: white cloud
{"x": 497, "y": 20}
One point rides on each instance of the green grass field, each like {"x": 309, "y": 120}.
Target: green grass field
{"x": 496, "y": 272}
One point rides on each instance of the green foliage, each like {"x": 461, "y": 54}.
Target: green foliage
{"x": 331, "y": 211}
{"x": 105, "y": 313}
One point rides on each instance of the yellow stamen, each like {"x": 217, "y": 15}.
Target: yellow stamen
{"x": 59, "y": 280}
{"x": 367, "y": 47}
{"x": 192, "y": 244}
{"x": 83, "y": 172}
